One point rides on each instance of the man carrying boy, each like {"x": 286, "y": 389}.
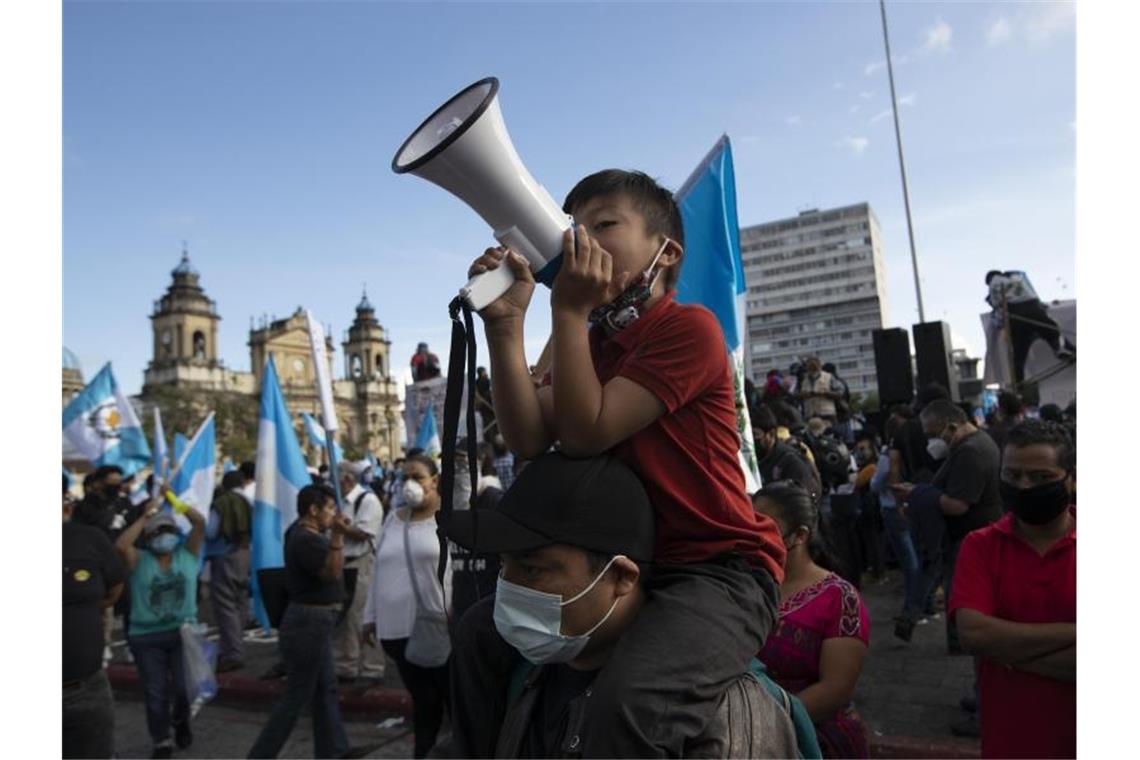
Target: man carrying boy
{"x": 649, "y": 382}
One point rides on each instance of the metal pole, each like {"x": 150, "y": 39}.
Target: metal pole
{"x": 902, "y": 164}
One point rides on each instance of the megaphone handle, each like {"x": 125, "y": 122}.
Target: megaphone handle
{"x": 483, "y": 289}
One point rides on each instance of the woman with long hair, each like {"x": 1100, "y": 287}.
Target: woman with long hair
{"x": 816, "y": 649}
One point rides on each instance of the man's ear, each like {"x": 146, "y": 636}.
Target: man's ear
{"x": 626, "y": 575}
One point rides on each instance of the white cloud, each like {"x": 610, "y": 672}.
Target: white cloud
{"x": 856, "y": 144}
{"x": 1049, "y": 19}
{"x": 855, "y": 108}
{"x": 938, "y": 37}
{"x": 879, "y": 116}
{"x": 866, "y": 95}
{"x": 908, "y": 99}
{"x": 793, "y": 120}
{"x": 999, "y": 32}
{"x": 837, "y": 85}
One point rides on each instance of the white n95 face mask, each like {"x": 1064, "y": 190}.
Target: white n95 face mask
{"x": 531, "y": 621}
{"x": 412, "y": 493}
{"x": 938, "y": 449}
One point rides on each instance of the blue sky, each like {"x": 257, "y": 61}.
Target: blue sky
{"x": 262, "y": 134}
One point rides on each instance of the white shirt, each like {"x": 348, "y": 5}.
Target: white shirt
{"x": 392, "y": 604}
{"x": 367, "y": 518}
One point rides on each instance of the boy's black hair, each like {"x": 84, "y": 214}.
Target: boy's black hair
{"x": 313, "y": 495}
{"x": 655, "y": 204}
{"x": 1009, "y": 403}
{"x": 1034, "y": 432}
{"x": 426, "y": 461}
{"x": 233, "y": 479}
{"x": 764, "y": 419}
{"x": 102, "y": 472}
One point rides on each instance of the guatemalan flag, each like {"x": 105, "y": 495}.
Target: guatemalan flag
{"x": 427, "y": 437}
{"x": 197, "y": 469}
{"x": 713, "y": 273}
{"x": 101, "y": 426}
{"x": 281, "y": 474}
{"x": 317, "y": 436}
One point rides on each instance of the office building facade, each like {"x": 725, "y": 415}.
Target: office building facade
{"x": 815, "y": 287}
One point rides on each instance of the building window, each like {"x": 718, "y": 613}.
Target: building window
{"x": 199, "y": 345}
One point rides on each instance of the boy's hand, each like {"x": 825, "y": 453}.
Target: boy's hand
{"x": 586, "y": 279}
{"x": 512, "y": 304}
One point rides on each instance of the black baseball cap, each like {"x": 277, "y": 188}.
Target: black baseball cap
{"x": 596, "y": 504}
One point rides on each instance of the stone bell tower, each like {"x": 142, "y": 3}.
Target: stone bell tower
{"x": 366, "y": 345}
{"x": 185, "y": 326}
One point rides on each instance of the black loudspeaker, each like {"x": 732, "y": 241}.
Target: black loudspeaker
{"x": 932, "y": 349}
{"x": 892, "y": 366}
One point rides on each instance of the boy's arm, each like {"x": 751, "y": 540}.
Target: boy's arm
{"x": 518, "y": 408}
{"x": 591, "y": 418}
{"x": 588, "y": 417}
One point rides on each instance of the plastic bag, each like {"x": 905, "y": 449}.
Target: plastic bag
{"x": 199, "y": 656}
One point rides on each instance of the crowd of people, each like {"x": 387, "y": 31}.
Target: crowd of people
{"x": 611, "y": 588}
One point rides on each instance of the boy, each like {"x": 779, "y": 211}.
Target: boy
{"x": 650, "y": 381}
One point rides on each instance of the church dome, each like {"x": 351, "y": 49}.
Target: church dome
{"x": 365, "y": 304}
{"x": 184, "y": 267}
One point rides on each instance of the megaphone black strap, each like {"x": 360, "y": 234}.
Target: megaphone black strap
{"x": 460, "y": 368}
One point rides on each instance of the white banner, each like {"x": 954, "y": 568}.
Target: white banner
{"x": 321, "y": 365}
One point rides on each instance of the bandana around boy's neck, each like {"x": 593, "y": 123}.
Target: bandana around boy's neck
{"x": 624, "y": 310}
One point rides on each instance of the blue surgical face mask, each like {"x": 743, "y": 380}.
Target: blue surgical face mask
{"x": 531, "y": 621}
{"x": 164, "y": 543}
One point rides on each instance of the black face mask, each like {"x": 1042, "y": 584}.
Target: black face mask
{"x": 1037, "y": 505}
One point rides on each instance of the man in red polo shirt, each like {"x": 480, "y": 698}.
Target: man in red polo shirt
{"x": 1015, "y": 601}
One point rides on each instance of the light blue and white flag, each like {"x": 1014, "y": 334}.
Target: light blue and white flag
{"x": 161, "y": 467}
{"x": 317, "y": 437}
{"x": 180, "y": 442}
{"x": 196, "y": 473}
{"x": 100, "y": 425}
{"x": 228, "y": 465}
{"x": 427, "y": 438}
{"x": 713, "y": 273}
{"x": 281, "y": 474}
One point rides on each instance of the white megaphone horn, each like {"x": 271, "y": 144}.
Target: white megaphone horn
{"x": 464, "y": 148}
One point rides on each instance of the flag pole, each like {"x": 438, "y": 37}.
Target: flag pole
{"x": 902, "y": 165}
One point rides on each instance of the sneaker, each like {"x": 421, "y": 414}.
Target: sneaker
{"x": 183, "y": 736}
{"x": 904, "y": 629}
{"x": 969, "y": 704}
{"x": 163, "y": 750}
{"x": 967, "y": 728}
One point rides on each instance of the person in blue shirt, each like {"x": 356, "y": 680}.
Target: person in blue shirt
{"x": 164, "y": 591}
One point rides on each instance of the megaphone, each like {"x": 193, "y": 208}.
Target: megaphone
{"x": 464, "y": 148}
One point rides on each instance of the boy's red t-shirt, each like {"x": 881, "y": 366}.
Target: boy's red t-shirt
{"x": 688, "y": 459}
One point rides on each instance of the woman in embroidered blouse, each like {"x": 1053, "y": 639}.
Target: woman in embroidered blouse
{"x": 816, "y": 649}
